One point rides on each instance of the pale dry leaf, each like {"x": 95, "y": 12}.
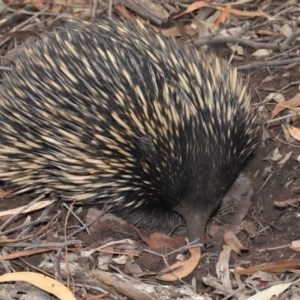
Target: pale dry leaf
{"x": 120, "y": 260}
{"x": 212, "y": 18}
{"x": 286, "y": 133}
{"x": 36, "y": 206}
{"x": 295, "y": 245}
{"x": 275, "y": 156}
{"x": 294, "y": 132}
{"x": 43, "y": 282}
{"x": 104, "y": 259}
{"x": 278, "y": 97}
{"x": 133, "y": 268}
{"x": 256, "y": 279}
{"x": 180, "y": 257}
{"x": 236, "y": 49}
{"x": 222, "y": 267}
{"x": 262, "y": 52}
{"x": 84, "y": 12}
{"x": 293, "y": 102}
{"x": 285, "y": 158}
{"x": 234, "y": 31}
{"x": 286, "y": 30}
{"x": 275, "y": 290}
{"x": 268, "y": 79}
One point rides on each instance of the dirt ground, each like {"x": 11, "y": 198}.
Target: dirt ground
{"x": 273, "y": 227}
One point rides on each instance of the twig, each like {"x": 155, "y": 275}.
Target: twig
{"x": 288, "y": 85}
{"x": 84, "y": 227}
{"x": 213, "y": 282}
{"x": 288, "y": 202}
{"x": 277, "y": 120}
{"x": 110, "y": 8}
{"x": 94, "y": 10}
{"x": 260, "y": 231}
{"x": 285, "y": 44}
{"x": 181, "y": 249}
{"x": 77, "y": 218}
{"x": 240, "y": 289}
{"x": 24, "y": 23}
{"x": 234, "y": 39}
{"x": 44, "y": 245}
{"x": 20, "y": 211}
{"x": 265, "y": 182}
{"x": 259, "y": 64}
{"x": 32, "y": 223}
{"x": 274, "y": 248}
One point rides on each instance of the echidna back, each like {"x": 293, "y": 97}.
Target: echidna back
{"x": 109, "y": 112}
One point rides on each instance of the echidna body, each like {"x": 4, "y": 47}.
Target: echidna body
{"x": 109, "y": 112}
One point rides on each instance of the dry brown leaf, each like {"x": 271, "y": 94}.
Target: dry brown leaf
{"x": 279, "y": 266}
{"x": 4, "y": 194}
{"x": 267, "y": 32}
{"x": 20, "y": 34}
{"x": 11, "y": 55}
{"x": 294, "y": 102}
{"x": 238, "y": 58}
{"x": 39, "y": 5}
{"x": 133, "y": 268}
{"x": 233, "y": 242}
{"x": 57, "y": 5}
{"x": 286, "y": 203}
{"x": 185, "y": 268}
{"x": 213, "y": 230}
{"x": 265, "y": 4}
{"x": 196, "y": 5}
{"x": 224, "y": 15}
{"x": 26, "y": 253}
{"x": 294, "y": 132}
{"x": 177, "y": 32}
{"x": 122, "y": 11}
{"x": 159, "y": 240}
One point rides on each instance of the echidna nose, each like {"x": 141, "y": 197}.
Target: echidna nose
{"x": 196, "y": 219}
{"x": 195, "y": 226}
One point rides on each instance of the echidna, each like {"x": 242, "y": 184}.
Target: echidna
{"x": 113, "y": 113}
